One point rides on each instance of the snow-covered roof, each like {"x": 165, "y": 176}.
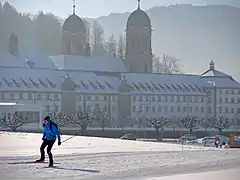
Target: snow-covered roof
{"x": 92, "y": 63}
{"x": 29, "y": 79}
{"x": 165, "y": 84}
{"x": 227, "y": 83}
{"x": 90, "y": 82}
{"x": 220, "y": 79}
{"x": 215, "y": 73}
{"x": 34, "y": 60}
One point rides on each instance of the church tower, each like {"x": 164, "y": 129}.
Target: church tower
{"x": 138, "y": 42}
{"x": 74, "y": 33}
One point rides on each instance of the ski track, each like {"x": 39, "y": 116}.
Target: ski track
{"x": 122, "y": 165}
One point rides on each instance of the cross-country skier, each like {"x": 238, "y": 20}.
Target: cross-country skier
{"x": 50, "y": 134}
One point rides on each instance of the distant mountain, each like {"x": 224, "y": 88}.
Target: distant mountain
{"x": 195, "y": 34}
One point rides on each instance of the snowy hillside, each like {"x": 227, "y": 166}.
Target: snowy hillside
{"x": 99, "y": 158}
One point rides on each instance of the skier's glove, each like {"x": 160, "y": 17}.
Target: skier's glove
{"x": 59, "y": 143}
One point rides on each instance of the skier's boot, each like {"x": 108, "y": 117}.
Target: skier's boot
{"x": 50, "y": 164}
{"x": 40, "y": 161}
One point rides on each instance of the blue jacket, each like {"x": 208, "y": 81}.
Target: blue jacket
{"x": 49, "y": 134}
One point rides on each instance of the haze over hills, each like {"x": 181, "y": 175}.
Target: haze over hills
{"x": 195, "y": 34}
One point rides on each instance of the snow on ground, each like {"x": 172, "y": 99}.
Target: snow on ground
{"x": 230, "y": 174}
{"x": 91, "y": 158}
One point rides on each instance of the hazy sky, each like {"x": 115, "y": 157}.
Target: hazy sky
{"x": 89, "y": 8}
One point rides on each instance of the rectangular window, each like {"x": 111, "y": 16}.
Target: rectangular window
{"x": 147, "y": 98}
{"x": 39, "y": 97}
{"x": 105, "y": 98}
{"x": 202, "y": 109}
{"x": 209, "y": 110}
{"x": 153, "y": 109}
{"x": 147, "y": 108}
{"x": 220, "y": 109}
{"x": 47, "y": 97}
{"x": 159, "y": 109}
{"x": 96, "y": 98}
{"x": 165, "y": 98}
{"x": 79, "y": 98}
{"x": 159, "y": 98}
{"x": 226, "y": 110}
{"x": 21, "y": 96}
{"x": 140, "y": 98}
{"x": 153, "y": 99}
{"x": 134, "y": 98}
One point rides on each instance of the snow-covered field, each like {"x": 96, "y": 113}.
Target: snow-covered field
{"x": 92, "y": 158}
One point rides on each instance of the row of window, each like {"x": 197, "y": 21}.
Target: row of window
{"x": 97, "y": 98}
{"x": 92, "y": 108}
{"x": 29, "y": 96}
{"x": 169, "y": 98}
{"x": 226, "y": 91}
{"x": 182, "y": 109}
{"x": 230, "y": 100}
{"x": 168, "y": 109}
{"x": 228, "y": 110}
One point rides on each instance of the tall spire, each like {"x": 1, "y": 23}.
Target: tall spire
{"x": 138, "y": 4}
{"x": 74, "y": 6}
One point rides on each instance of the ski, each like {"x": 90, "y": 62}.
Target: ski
{"x": 50, "y": 167}
{"x": 29, "y": 162}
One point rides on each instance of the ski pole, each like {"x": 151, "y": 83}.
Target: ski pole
{"x": 69, "y": 138}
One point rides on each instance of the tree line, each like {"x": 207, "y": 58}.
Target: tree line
{"x": 83, "y": 120}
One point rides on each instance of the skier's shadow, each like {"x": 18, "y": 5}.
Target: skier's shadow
{"x": 75, "y": 169}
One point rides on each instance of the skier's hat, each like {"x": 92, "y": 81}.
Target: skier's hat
{"x": 47, "y": 118}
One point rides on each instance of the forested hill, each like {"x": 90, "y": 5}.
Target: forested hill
{"x": 195, "y": 34}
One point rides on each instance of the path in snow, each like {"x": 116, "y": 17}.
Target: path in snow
{"x": 98, "y": 158}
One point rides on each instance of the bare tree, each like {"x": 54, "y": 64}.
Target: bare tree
{"x": 237, "y": 120}
{"x": 121, "y": 48}
{"x": 100, "y": 116}
{"x": 190, "y": 123}
{"x": 83, "y": 120}
{"x": 219, "y": 123}
{"x": 97, "y": 39}
{"x": 123, "y": 121}
{"x": 12, "y": 121}
{"x": 111, "y": 46}
{"x": 167, "y": 65}
{"x": 60, "y": 119}
{"x": 158, "y": 124}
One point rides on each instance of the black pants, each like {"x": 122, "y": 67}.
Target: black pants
{"x": 49, "y": 144}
